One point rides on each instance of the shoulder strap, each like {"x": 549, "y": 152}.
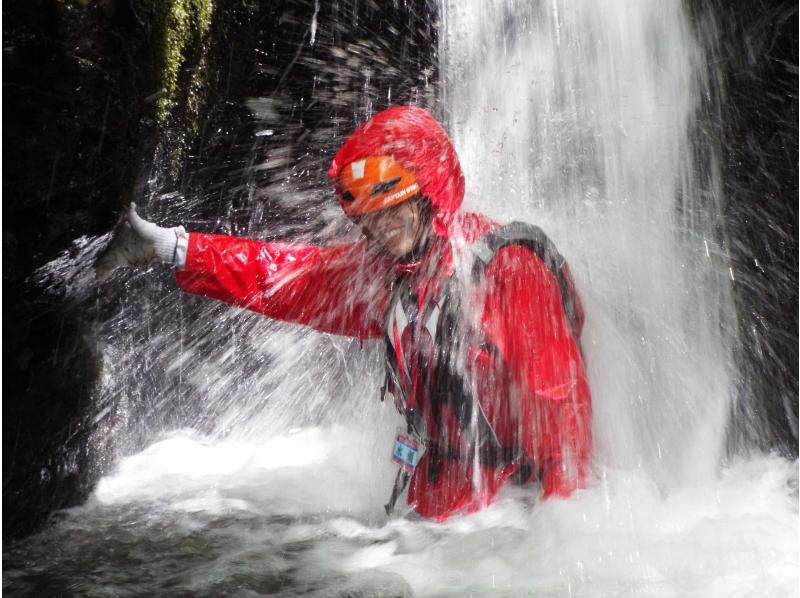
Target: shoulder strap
{"x": 533, "y": 238}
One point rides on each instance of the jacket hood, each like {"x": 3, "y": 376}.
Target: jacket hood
{"x": 419, "y": 143}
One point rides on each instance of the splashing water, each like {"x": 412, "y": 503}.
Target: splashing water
{"x": 578, "y": 116}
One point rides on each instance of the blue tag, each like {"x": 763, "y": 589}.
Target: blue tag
{"x": 406, "y": 451}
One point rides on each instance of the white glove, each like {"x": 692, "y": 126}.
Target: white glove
{"x": 137, "y": 242}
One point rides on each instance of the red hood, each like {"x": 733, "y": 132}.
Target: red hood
{"x": 416, "y": 140}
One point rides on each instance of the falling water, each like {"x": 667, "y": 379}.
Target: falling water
{"x": 579, "y": 116}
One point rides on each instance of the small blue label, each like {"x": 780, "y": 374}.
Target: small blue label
{"x": 405, "y": 452}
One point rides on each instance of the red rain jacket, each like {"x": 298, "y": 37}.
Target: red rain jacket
{"x": 531, "y": 385}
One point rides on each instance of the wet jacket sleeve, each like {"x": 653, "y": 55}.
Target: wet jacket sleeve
{"x": 550, "y": 411}
{"x": 331, "y": 289}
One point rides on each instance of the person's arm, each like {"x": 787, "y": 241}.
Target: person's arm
{"x": 340, "y": 289}
{"x": 524, "y": 318}
{"x": 336, "y": 289}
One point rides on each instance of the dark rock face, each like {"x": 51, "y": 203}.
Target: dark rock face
{"x": 756, "y": 59}
{"x": 80, "y": 90}
{"x": 84, "y": 135}
{"x": 762, "y": 181}
{"x": 73, "y": 114}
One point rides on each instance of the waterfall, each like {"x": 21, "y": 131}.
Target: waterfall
{"x": 578, "y": 116}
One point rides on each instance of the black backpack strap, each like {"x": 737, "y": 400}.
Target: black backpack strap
{"x": 400, "y": 483}
{"x": 533, "y": 238}
{"x": 450, "y": 387}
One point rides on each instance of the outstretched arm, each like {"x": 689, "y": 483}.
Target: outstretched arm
{"x": 341, "y": 289}
{"x": 332, "y": 289}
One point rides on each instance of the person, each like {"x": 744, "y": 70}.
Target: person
{"x": 481, "y": 322}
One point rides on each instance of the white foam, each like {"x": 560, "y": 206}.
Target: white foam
{"x": 308, "y": 470}
{"x": 735, "y": 535}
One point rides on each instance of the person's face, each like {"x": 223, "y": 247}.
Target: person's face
{"x": 396, "y": 229}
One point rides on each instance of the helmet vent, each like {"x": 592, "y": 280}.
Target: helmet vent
{"x": 384, "y": 187}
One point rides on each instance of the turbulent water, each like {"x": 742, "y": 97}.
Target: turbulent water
{"x": 292, "y": 516}
{"x": 579, "y": 116}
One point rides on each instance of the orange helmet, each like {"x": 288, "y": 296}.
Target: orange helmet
{"x": 413, "y": 137}
{"x": 374, "y": 183}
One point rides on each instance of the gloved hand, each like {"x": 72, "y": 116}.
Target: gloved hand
{"x": 137, "y": 242}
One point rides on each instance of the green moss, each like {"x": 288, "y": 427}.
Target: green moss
{"x": 181, "y": 45}
{"x": 185, "y": 26}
